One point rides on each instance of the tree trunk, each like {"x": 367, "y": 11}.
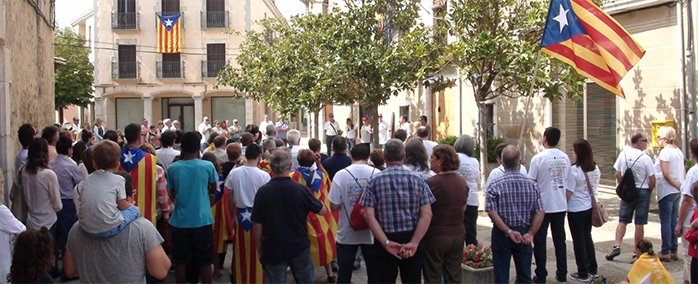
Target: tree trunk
{"x": 373, "y": 110}
{"x": 482, "y": 109}
{"x": 316, "y": 133}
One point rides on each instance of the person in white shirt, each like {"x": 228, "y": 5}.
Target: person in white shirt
{"x": 263, "y": 125}
{"x": 175, "y": 125}
{"x": 331, "y": 130}
{"x": 366, "y": 131}
{"x": 406, "y": 125}
{"x": 243, "y": 183}
{"x": 294, "y": 139}
{"x": 645, "y": 180}
{"x": 75, "y": 125}
{"x": 98, "y": 130}
{"x": 670, "y": 173}
{"x": 423, "y": 133}
{"x": 168, "y": 125}
{"x": 347, "y": 186}
{"x": 549, "y": 169}
{"x": 10, "y": 227}
{"x": 579, "y": 204}
{"x": 499, "y": 171}
{"x": 166, "y": 154}
{"x": 383, "y": 131}
{"x": 351, "y": 131}
{"x": 688, "y": 204}
{"x": 205, "y": 129}
{"x": 417, "y": 160}
{"x": 470, "y": 170}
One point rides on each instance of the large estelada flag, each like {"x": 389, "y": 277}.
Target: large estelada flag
{"x": 143, "y": 169}
{"x": 322, "y": 230}
{"x": 169, "y": 34}
{"x": 582, "y": 35}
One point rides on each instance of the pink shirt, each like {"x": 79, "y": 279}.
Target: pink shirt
{"x": 144, "y": 134}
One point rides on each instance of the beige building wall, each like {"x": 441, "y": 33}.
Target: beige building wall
{"x": 193, "y": 88}
{"x": 26, "y": 75}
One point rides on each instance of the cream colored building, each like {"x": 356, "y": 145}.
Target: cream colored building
{"x": 133, "y": 81}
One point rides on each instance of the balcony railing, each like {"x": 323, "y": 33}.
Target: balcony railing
{"x": 124, "y": 70}
{"x": 210, "y": 69}
{"x": 124, "y": 21}
{"x": 170, "y": 69}
{"x": 214, "y": 19}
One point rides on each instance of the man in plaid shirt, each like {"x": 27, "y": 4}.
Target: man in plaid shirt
{"x": 514, "y": 205}
{"x": 398, "y": 212}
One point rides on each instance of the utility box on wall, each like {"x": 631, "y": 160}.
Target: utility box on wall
{"x": 656, "y": 124}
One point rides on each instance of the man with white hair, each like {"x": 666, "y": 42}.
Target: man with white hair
{"x": 263, "y": 125}
{"x": 175, "y": 125}
{"x": 294, "y": 139}
{"x": 205, "y": 129}
{"x": 168, "y": 125}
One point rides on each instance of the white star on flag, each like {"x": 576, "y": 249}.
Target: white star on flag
{"x": 246, "y": 216}
{"x": 168, "y": 23}
{"x": 562, "y": 18}
{"x": 128, "y": 157}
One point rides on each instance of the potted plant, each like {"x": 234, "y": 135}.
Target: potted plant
{"x": 477, "y": 264}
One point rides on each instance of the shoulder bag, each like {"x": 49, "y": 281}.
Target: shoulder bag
{"x": 19, "y": 205}
{"x": 356, "y": 218}
{"x": 599, "y": 216}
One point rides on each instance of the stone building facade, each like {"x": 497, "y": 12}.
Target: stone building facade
{"x": 26, "y": 73}
{"x": 133, "y": 81}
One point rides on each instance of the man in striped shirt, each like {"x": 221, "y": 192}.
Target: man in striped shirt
{"x": 398, "y": 212}
{"x": 514, "y": 205}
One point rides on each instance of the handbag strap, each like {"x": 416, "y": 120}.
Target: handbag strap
{"x": 591, "y": 191}
{"x": 361, "y": 186}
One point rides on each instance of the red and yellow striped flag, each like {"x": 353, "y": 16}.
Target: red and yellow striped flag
{"x": 246, "y": 266}
{"x": 143, "y": 169}
{"x": 169, "y": 34}
{"x": 322, "y": 230}
{"x": 582, "y": 35}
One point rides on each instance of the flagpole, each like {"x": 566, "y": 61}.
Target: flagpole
{"x": 527, "y": 105}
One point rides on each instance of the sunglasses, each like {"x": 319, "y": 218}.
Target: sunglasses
{"x": 643, "y": 140}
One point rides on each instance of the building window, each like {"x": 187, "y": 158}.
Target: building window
{"x": 126, "y": 17}
{"x": 170, "y": 66}
{"x": 230, "y": 108}
{"x": 405, "y": 111}
{"x": 215, "y": 60}
{"x": 128, "y": 111}
{"x": 215, "y": 15}
{"x": 170, "y": 7}
{"x": 127, "y": 65}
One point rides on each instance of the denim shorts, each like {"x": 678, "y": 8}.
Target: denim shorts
{"x": 640, "y": 207}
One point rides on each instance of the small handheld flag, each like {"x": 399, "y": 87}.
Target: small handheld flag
{"x": 169, "y": 34}
{"x": 582, "y": 35}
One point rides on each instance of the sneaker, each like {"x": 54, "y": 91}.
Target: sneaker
{"x": 575, "y": 276}
{"x": 536, "y": 280}
{"x": 614, "y": 252}
{"x": 357, "y": 266}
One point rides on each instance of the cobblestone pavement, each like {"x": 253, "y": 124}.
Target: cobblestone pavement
{"x": 615, "y": 271}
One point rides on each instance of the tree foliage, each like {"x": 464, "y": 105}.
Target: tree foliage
{"x": 496, "y": 49}
{"x": 366, "y": 53}
{"x": 73, "y": 81}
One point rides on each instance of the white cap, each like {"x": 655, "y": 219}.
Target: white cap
{"x": 166, "y": 120}
{"x": 205, "y": 117}
{"x": 235, "y": 120}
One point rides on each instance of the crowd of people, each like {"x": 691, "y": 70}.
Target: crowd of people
{"x": 131, "y": 206}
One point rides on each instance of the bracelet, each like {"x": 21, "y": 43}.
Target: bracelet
{"x": 508, "y": 233}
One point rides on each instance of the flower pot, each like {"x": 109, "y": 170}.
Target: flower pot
{"x": 477, "y": 275}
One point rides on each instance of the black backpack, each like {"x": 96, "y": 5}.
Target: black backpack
{"x": 626, "y": 189}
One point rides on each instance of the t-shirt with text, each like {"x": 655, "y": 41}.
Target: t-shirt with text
{"x": 549, "y": 169}
{"x": 345, "y": 191}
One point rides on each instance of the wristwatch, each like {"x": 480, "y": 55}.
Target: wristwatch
{"x": 508, "y": 233}
{"x": 387, "y": 242}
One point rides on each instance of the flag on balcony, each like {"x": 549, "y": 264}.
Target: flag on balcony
{"x": 169, "y": 34}
{"x": 580, "y": 34}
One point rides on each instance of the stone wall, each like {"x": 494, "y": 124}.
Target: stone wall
{"x": 26, "y": 73}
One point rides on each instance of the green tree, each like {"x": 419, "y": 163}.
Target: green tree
{"x": 496, "y": 49}
{"x": 366, "y": 53}
{"x": 73, "y": 81}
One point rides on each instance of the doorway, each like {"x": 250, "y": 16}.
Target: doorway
{"x": 181, "y": 109}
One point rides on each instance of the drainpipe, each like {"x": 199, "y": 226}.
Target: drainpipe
{"x": 682, "y": 96}
{"x": 690, "y": 65}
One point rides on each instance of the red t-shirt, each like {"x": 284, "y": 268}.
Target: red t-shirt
{"x": 692, "y": 238}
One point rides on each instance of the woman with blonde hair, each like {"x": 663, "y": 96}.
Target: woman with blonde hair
{"x": 268, "y": 146}
{"x": 670, "y": 175}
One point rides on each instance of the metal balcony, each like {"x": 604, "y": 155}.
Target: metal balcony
{"x": 124, "y": 70}
{"x": 214, "y": 19}
{"x": 170, "y": 69}
{"x": 124, "y": 21}
{"x": 210, "y": 69}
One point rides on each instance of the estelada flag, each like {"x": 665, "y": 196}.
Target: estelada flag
{"x": 222, "y": 219}
{"x": 322, "y": 230}
{"x": 143, "y": 169}
{"x": 582, "y": 35}
{"x": 169, "y": 34}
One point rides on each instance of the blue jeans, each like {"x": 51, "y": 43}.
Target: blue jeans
{"x": 668, "y": 217}
{"x": 357, "y": 260}
{"x": 328, "y": 140}
{"x": 301, "y": 268}
{"x": 131, "y": 213}
{"x": 639, "y": 206}
{"x": 66, "y": 219}
{"x": 350, "y": 144}
{"x": 503, "y": 249}
{"x": 346, "y": 256}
